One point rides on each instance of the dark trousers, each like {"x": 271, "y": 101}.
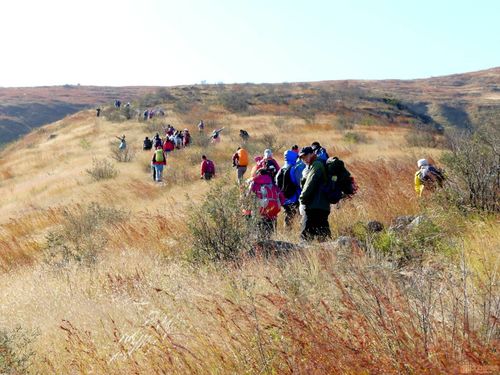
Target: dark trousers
{"x": 207, "y": 176}
{"x": 315, "y": 225}
{"x": 291, "y": 211}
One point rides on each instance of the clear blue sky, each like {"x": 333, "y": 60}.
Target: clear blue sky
{"x": 169, "y": 42}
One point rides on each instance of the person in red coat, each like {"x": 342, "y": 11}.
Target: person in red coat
{"x": 207, "y": 168}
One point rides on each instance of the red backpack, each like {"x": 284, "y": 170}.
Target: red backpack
{"x": 168, "y": 145}
{"x": 269, "y": 200}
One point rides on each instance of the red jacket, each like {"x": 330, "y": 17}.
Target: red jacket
{"x": 207, "y": 166}
{"x": 168, "y": 145}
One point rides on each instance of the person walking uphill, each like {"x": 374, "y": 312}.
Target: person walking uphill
{"x": 240, "y": 162}
{"x": 207, "y": 168}
{"x": 269, "y": 163}
{"x": 270, "y": 199}
{"x": 288, "y": 181}
{"x": 314, "y": 205}
{"x": 427, "y": 177}
{"x": 158, "y": 162}
{"x": 123, "y": 143}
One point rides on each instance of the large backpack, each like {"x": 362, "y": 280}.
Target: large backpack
{"x": 242, "y": 157}
{"x": 430, "y": 175}
{"x": 168, "y": 145}
{"x": 159, "y": 156}
{"x": 269, "y": 200}
{"x": 340, "y": 184}
{"x": 285, "y": 182}
{"x": 210, "y": 167}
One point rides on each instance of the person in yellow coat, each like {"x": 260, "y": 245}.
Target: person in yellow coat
{"x": 427, "y": 177}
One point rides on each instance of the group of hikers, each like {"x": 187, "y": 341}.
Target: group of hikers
{"x": 307, "y": 184}
{"x": 173, "y": 139}
{"x": 300, "y": 186}
{"x": 148, "y": 113}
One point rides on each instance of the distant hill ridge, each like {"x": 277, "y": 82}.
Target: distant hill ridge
{"x": 455, "y": 100}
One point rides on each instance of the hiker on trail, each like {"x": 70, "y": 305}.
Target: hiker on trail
{"x": 168, "y": 145}
{"x": 320, "y": 151}
{"x": 288, "y": 181}
{"x": 240, "y": 162}
{"x": 157, "y": 141}
{"x": 269, "y": 163}
{"x": 255, "y": 168}
{"x": 146, "y": 114}
{"x": 118, "y": 103}
{"x": 127, "y": 105}
{"x": 147, "y": 144}
{"x": 216, "y": 135}
{"x": 207, "y": 168}
{"x": 314, "y": 204}
{"x": 201, "y": 126}
{"x": 244, "y": 135}
{"x": 158, "y": 161}
{"x": 177, "y": 138}
{"x": 151, "y": 114}
{"x": 98, "y": 111}
{"x": 428, "y": 177}
{"x": 186, "y": 138}
{"x": 170, "y": 130}
{"x": 123, "y": 143}
{"x": 270, "y": 199}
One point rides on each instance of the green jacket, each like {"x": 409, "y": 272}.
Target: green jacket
{"x": 313, "y": 178}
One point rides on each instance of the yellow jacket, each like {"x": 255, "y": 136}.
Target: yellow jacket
{"x": 419, "y": 185}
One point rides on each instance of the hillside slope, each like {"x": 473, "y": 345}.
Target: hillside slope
{"x": 96, "y": 276}
{"x": 458, "y": 100}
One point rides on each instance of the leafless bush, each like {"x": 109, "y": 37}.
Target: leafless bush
{"x": 474, "y": 169}
{"x": 125, "y": 155}
{"x": 102, "y": 170}
{"x": 82, "y": 235}
{"x": 219, "y": 230}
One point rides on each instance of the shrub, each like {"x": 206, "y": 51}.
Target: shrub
{"x": 15, "y": 350}
{"x": 123, "y": 156}
{"x": 304, "y": 112}
{"x": 154, "y": 126}
{"x": 102, "y": 170}
{"x": 219, "y": 230}
{"x": 82, "y": 236}
{"x": 423, "y": 136}
{"x": 474, "y": 169}
{"x": 353, "y": 137}
{"x": 342, "y": 123}
{"x": 183, "y": 106}
{"x": 235, "y": 101}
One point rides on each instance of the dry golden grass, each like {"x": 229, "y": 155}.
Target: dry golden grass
{"x": 141, "y": 308}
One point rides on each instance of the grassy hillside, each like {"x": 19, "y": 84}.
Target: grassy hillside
{"x": 461, "y": 100}
{"x": 97, "y": 275}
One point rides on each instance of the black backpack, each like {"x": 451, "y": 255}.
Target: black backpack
{"x": 284, "y": 182}
{"x": 340, "y": 184}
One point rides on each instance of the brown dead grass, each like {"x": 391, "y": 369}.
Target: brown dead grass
{"x": 142, "y": 309}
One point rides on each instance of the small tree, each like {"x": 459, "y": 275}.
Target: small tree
{"x": 474, "y": 169}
